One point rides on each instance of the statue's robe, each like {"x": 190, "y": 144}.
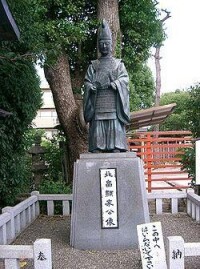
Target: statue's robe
{"x": 106, "y": 110}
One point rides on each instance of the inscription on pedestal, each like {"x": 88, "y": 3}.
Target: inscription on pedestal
{"x": 109, "y": 201}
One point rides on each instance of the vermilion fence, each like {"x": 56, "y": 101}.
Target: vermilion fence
{"x": 161, "y": 153}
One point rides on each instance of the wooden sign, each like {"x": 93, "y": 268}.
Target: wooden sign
{"x": 151, "y": 246}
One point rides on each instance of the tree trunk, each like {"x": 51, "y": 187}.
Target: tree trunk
{"x": 158, "y": 76}
{"x": 158, "y": 67}
{"x": 109, "y": 10}
{"x": 158, "y": 81}
{"x": 68, "y": 109}
{"x": 58, "y": 76}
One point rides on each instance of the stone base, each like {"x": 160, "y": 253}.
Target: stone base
{"x": 86, "y": 229}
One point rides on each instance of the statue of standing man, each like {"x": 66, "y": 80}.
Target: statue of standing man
{"x": 106, "y": 98}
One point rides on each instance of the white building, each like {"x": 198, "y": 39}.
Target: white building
{"x": 46, "y": 118}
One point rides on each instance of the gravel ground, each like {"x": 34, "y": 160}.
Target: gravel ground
{"x": 64, "y": 257}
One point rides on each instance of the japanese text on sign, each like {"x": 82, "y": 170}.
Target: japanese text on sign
{"x": 41, "y": 256}
{"x": 109, "y": 198}
{"x": 151, "y": 245}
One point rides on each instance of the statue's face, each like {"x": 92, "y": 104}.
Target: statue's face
{"x": 105, "y": 47}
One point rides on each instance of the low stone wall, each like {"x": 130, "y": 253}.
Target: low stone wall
{"x": 160, "y": 198}
{"x": 177, "y": 250}
{"x": 193, "y": 206}
{"x": 52, "y": 198}
{"x": 40, "y": 252}
{"x": 15, "y": 219}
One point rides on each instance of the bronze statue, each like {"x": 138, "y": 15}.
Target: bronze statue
{"x": 106, "y": 98}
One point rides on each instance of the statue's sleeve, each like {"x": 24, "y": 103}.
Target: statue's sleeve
{"x": 89, "y": 97}
{"x": 122, "y": 81}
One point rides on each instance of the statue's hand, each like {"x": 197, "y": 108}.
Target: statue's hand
{"x": 93, "y": 89}
{"x": 113, "y": 86}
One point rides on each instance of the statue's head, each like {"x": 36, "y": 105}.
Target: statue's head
{"x": 105, "y": 38}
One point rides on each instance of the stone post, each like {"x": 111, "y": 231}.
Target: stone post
{"x": 11, "y": 227}
{"x": 175, "y": 252}
{"x": 42, "y": 254}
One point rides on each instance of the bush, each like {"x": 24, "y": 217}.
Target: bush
{"x": 20, "y": 95}
{"x": 54, "y": 187}
{"x": 188, "y": 162}
{"x": 53, "y": 157}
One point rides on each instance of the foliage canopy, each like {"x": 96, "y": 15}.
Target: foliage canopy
{"x": 193, "y": 110}
{"x": 50, "y": 27}
{"x": 20, "y": 95}
{"x": 177, "y": 120}
{"x": 141, "y": 89}
{"x": 192, "y": 118}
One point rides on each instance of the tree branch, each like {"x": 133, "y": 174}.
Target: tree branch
{"x": 167, "y": 16}
{"x": 23, "y": 56}
{"x": 156, "y": 3}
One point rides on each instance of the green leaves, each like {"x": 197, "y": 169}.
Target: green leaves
{"x": 141, "y": 29}
{"x": 187, "y": 112}
{"x": 188, "y": 163}
{"x": 177, "y": 120}
{"x": 141, "y": 88}
{"x": 192, "y": 118}
{"x": 193, "y": 110}
{"x": 54, "y": 25}
{"x": 53, "y": 156}
{"x": 20, "y": 95}
{"x": 48, "y": 27}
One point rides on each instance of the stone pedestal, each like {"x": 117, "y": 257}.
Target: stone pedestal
{"x": 86, "y": 223}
